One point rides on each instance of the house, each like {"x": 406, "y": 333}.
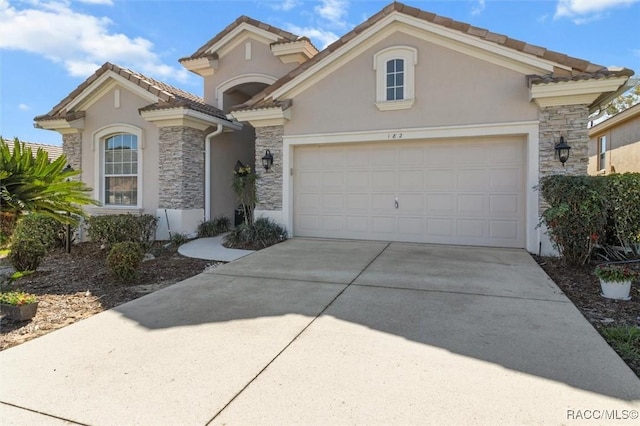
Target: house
{"x": 411, "y": 127}
{"x": 614, "y": 144}
{"x": 53, "y": 151}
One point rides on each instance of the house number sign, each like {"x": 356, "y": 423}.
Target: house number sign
{"x": 394, "y": 136}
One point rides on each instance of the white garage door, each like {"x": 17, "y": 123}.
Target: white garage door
{"x": 468, "y": 191}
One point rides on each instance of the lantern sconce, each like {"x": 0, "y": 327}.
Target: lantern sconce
{"x": 267, "y": 160}
{"x": 562, "y": 150}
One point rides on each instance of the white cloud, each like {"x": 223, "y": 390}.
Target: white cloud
{"x": 478, "y": 8}
{"x": 321, "y": 38}
{"x": 24, "y": 107}
{"x": 105, "y": 2}
{"x": 80, "y": 42}
{"x": 284, "y": 5}
{"x": 332, "y": 10}
{"x": 582, "y": 11}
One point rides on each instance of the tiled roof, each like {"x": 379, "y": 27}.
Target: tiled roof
{"x": 580, "y": 69}
{"x": 170, "y": 97}
{"x": 283, "y": 35}
{"x": 54, "y": 151}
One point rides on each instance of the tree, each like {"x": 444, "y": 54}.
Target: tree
{"x": 624, "y": 101}
{"x": 33, "y": 183}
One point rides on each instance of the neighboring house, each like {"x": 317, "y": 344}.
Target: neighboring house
{"x": 614, "y": 144}
{"x": 53, "y": 151}
{"x": 411, "y": 127}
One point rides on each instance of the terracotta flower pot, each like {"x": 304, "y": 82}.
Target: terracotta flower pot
{"x": 20, "y": 312}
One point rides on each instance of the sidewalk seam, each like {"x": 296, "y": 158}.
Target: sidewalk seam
{"x": 43, "y": 414}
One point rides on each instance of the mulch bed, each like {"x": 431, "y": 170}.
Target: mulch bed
{"x": 71, "y": 287}
{"x": 582, "y": 287}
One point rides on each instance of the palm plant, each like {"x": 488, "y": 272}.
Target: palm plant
{"x": 33, "y": 183}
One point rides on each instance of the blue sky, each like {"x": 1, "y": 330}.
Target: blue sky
{"x": 48, "y": 47}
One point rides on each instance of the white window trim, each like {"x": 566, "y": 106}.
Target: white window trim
{"x": 602, "y": 165}
{"x": 98, "y": 137}
{"x": 380, "y": 59}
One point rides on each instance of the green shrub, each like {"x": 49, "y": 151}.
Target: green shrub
{"x": 623, "y": 202}
{"x": 178, "y": 239}
{"x": 261, "y": 234}
{"x": 34, "y": 236}
{"x": 625, "y": 340}
{"x": 124, "y": 259}
{"x": 586, "y": 212}
{"x": 119, "y": 228}
{"x": 211, "y": 228}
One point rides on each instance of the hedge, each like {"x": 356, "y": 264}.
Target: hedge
{"x": 586, "y": 212}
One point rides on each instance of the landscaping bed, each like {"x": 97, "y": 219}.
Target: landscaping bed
{"x": 71, "y": 287}
{"x": 583, "y": 289}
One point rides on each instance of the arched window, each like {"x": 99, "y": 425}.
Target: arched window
{"x": 121, "y": 170}
{"x": 395, "y": 77}
{"x": 118, "y": 166}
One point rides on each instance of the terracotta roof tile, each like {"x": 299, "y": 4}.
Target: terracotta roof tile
{"x": 202, "y": 51}
{"x": 580, "y": 69}
{"x": 171, "y": 97}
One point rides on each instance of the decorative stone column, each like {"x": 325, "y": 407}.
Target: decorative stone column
{"x": 181, "y": 180}
{"x": 569, "y": 121}
{"x": 72, "y": 148}
{"x": 269, "y": 184}
{"x": 181, "y": 174}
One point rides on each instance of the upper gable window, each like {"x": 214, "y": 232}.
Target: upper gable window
{"x": 395, "y": 77}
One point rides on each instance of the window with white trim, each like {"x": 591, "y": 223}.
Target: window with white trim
{"x": 602, "y": 153}
{"x": 395, "y": 77}
{"x": 120, "y": 170}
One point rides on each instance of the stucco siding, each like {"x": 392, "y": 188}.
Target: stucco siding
{"x": 234, "y": 64}
{"x": 450, "y": 88}
{"x": 103, "y": 113}
{"x": 226, "y": 150}
{"x": 623, "y": 148}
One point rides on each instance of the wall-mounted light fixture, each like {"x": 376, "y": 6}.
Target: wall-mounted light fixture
{"x": 267, "y": 160}
{"x": 562, "y": 150}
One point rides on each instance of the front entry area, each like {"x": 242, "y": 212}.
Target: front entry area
{"x": 467, "y": 191}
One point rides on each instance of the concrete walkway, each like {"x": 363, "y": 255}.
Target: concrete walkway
{"x": 330, "y": 332}
{"x": 211, "y": 249}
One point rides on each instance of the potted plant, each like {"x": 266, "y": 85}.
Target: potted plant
{"x": 18, "y": 306}
{"x": 615, "y": 281}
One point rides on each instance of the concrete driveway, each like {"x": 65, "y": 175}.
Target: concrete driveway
{"x": 331, "y": 332}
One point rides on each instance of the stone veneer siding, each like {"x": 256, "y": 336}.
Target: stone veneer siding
{"x": 269, "y": 184}
{"x": 571, "y": 122}
{"x": 72, "y": 148}
{"x": 181, "y": 174}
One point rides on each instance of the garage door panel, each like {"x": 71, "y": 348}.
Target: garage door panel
{"x": 471, "y": 228}
{"x": 439, "y": 155}
{"x": 358, "y": 202}
{"x": 471, "y": 154}
{"x": 332, "y": 223}
{"x": 500, "y": 205}
{"x": 357, "y": 180}
{"x": 411, "y": 203}
{"x": 440, "y": 180}
{"x": 357, "y": 225}
{"x": 383, "y": 225}
{"x": 503, "y": 229}
{"x": 332, "y": 202}
{"x": 384, "y": 179}
{"x": 472, "y": 205}
{"x": 505, "y": 179}
{"x": 411, "y": 180}
{"x": 451, "y": 192}
{"x": 472, "y": 180}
